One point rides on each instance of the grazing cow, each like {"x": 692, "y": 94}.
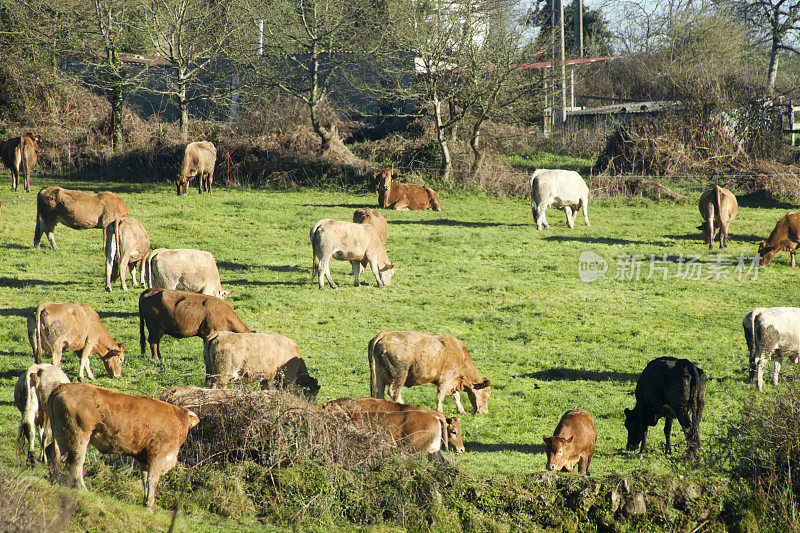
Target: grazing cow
{"x": 199, "y": 158}
{"x": 357, "y": 243}
{"x": 563, "y": 189}
{"x": 672, "y": 388}
{"x": 184, "y": 270}
{"x": 75, "y": 209}
{"x": 253, "y": 357}
{"x": 30, "y": 396}
{"x": 718, "y": 206}
{"x": 374, "y": 218}
{"x": 404, "y": 196}
{"x": 785, "y": 237}
{"x": 572, "y": 443}
{"x": 408, "y": 358}
{"x": 422, "y": 430}
{"x": 771, "y": 333}
{"x": 183, "y": 314}
{"x": 150, "y": 431}
{"x": 19, "y": 155}
{"x": 126, "y": 254}
{"x": 58, "y": 327}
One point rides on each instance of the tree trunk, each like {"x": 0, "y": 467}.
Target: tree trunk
{"x": 772, "y": 71}
{"x": 183, "y": 106}
{"x": 117, "y": 99}
{"x": 325, "y": 134}
{"x": 475, "y": 145}
{"x": 441, "y": 137}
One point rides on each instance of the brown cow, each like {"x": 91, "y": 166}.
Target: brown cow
{"x": 184, "y": 270}
{"x": 374, "y": 218}
{"x": 126, "y": 254}
{"x": 199, "y": 158}
{"x": 356, "y": 243}
{"x": 718, "y": 207}
{"x": 253, "y": 357}
{"x": 30, "y": 396}
{"x": 150, "y": 431}
{"x": 404, "y": 196}
{"x": 183, "y": 314}
{"x": 408, "y": 358}
{"x": 75, "y": 209}
{"x": 19, "y": 154}
{"x": 785, "y": 237}
{"x": 58, "y": 327}
{"x": 422, "y": 430}
{"x": 572, "y": 443}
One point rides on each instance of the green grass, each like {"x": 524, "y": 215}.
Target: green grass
{"x": 478, "y": 270}
{"x": 541, "y": 159}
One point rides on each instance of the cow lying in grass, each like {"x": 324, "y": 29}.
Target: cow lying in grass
{"x": 404, "y": 196}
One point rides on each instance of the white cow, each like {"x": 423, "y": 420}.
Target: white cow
{"x": 31, "y": 392}
{"x": 184, "y": 270}
{"x": 559, "y": 188}
{"x": 771, "y": 333}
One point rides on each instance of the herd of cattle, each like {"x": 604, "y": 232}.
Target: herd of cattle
{"x": 183, "y": 297}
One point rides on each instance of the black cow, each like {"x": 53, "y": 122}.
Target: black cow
{"x": 672, "y": 388}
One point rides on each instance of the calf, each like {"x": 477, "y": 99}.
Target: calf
{"x": 422, "y": 430}
{"x": 19, "y": 155}
{"x": 357, "y": 243}
{"x": 185, "y": 270}
{"x": 785, "y": 237}
{"x": 572, "y": 443}
{"x": 408, "y": 358}
{"x": 183, "y": 314}
{"x": 30, "y": 396}
{"x": 77, "y": 210}
{"x": 771, "y": 333}
{"x": 374, "y": 218}
{"x": 150, "y": 431}
{"x": 672, "y": 388}
{"x": 198, "y": 158}
{"x": 256, "y": 357}
{"x": 718, "y": 207}
{"x": 126, "y": 248}
{"x": 564, "y": 189}
{"x": 58, "y": 327}
{"x": 404, "y": 196}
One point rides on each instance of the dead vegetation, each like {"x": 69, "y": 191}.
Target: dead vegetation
{"x": 272, "y": 428}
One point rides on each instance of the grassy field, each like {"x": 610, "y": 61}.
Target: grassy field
{"x": 479, "y": 270}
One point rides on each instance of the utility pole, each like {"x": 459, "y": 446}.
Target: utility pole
{"x": 563, "y": 62}
{"x": 577, "y": 26}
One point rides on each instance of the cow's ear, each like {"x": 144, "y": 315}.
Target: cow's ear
{"x": 483, "y": 384}
{"x": 546, "y": 439}
{"x": 570, "y": 439}
{"x": 34, "y": 379}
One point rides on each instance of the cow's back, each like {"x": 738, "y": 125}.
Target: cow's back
{"x": 184, "y": 269}
{"x": 560, "y": 185}
{"x": 777, "y": 328}
{"x": 373, "y": 218}
{"x": 257, "y": 352}
{"x": 186, "y": 314}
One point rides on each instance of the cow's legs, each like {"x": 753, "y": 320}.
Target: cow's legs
{"x": 585, "y": 209}
{"x": 110, "y": 248}
{"x": 456, "y": 398}
{"x": 14, "y": 179}
{"x": 325, "y": 269}
{"x": 76, "y": 457}
{"x": 356, "y": 271}
{"x": 49, "y": 229}
{"x": 791, "y": 255}
{"x": 123, "y": 271}
{"x": 57, "y": 349}
{"x": 377, "y": 273}
{"x": 568, "y": 212}
{"x": 85, "y": 366}
{"x": 777, "y": 370}
{"x": 210, "y": 180}
{"x": 153, "y": 339}
{"x": 668, "y": 435}
{"x": 37, "y": 233}
{"x": 540, "y": 219}
{"x": 400, "y": 373}
{"x": 759, "y": 362}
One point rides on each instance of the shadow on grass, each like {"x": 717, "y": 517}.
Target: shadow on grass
{"x": 455, "y": 223}
{"x": 699, "y": 238}
{"x": 15, "y": 247}
{"x": 763, "y": 200}
{"x": 229, "y": 265}
{"x": 16, "y": 311}
{"x": 123, "y": 188}
{"x": 117, "y": 314}
{"x": 256, "y": 283}
{"x": 16, "y": 283}
{"x": 13, "y": 373}
{"x": 503, "y": 447}
{"x": 352, "y": 206}
{"x": 574, "y": 374}
{"x": 597, "y": 240}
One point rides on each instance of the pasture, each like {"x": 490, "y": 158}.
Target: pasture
{"x": 548, "y": 341}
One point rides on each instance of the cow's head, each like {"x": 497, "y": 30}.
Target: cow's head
{"x": 34, "y": 140}
{"x": 113, "y": 360}
{"x": 222, "y": 293}
{"x": 558, "y": 453}
{"x": 193, "y": 419}
{"x": 635, "y": 429}
{"x": 181, "y": 182}
{"x": 767, "y": 252}
{"x": 455, "y": 438}
{"x": 478, "y": 394}
{"x": 386, "y": 273}
{"x": 384, "y": 179}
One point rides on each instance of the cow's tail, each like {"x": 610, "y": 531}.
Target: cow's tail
{"x": 142, "y": 343}
{"x": 697, "y": 400}
{"x": 208, "y": 359}
{"x": 24, "y": 164}
{"x": 315, "y": 246}
{"x": 373, "y": 371}
{"x": 445, "y": 433}
{"x": 147, "y": 269}
{"x": 27, "y": 430}
{"x": 751, "y": 343}
{"x": 434, "y": 198}
{"x": 118, "y": 254}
